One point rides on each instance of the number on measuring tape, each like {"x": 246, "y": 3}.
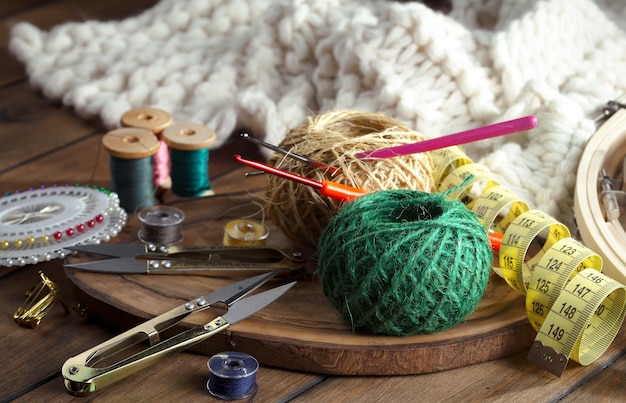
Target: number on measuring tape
{"x": 582, "y": 322}
{"x": 517, "y": 258}
{"x": 562, "y": 261}
{"x": 497, "y": 207}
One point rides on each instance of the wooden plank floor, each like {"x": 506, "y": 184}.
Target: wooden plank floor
{"x": 45, "y": 143}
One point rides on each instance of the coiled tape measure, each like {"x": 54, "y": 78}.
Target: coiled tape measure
{"x": 576, "y": 310}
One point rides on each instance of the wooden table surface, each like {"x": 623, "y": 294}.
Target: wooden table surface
{"x": 45, "y": 143}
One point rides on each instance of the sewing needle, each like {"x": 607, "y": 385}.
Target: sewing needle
{"x": 332, "y": 171}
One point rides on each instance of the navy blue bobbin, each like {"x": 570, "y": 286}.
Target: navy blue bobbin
{"x": 233, "y": 375}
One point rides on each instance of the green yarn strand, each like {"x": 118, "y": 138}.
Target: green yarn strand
{"x": 404, "y": 262}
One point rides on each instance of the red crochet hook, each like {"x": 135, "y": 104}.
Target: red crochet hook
{"x": 332, "y": 171}
{"x": 337, "y": 191}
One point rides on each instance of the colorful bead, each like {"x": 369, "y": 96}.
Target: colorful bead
{"x": 58, "y": 235}
{"x": 80, "y": 227}
{"x": 69, "y": 231}
{"x": 30, "y": 240}
{"x": 4, "y": 244}
{"x": 45, "y": 238}
{"x": 18, "y": 243}
{"x": 91, "y": 223}
{"x": 99, "y": 218}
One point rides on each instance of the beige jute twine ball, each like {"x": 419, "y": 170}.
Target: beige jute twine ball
{"x": 334, "y": 138}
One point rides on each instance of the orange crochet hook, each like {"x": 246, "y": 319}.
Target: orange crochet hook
{"x": 337, "y": 191}
{"x": 495, "y": 239}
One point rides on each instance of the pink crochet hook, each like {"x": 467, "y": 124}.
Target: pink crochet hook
{"x": 481, "y": 133}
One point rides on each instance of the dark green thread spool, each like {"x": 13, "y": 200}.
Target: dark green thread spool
{"x": 131, "y": 151}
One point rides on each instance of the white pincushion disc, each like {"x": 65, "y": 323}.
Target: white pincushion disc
{"x": 36, "y": 225}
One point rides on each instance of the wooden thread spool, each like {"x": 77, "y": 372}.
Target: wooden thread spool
{"x": 131, "y": 152}
{"x": 155, "y": 120}
{"x": 245, "y": 232}
{"x": 189, "y": 151}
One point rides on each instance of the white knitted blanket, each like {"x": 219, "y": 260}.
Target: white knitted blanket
{"x": 267, "y": 64}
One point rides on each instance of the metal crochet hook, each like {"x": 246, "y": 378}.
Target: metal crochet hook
{"x": 330, "y": 170}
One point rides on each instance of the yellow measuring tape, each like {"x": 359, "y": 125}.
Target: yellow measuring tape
{"x": 576, "y": 309}
{"x": 525, "y": 241}
{"x": 565, "y": 259}
{"x": 582, "y": 323}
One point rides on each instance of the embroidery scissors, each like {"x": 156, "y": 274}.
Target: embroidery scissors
{"x": 196, "y": 260}
{"x": 81, "y": 377}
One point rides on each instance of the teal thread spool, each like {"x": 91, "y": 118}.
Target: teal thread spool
{"x": 404, "y": 262}
{"x": 131, "y": 151}
{"x": 189, "y": 156}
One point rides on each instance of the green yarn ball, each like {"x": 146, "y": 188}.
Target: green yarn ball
{"x": 404, "y": 262}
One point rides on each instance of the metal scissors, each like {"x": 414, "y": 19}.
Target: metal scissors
{"x": 197, "y": 260}
{"x": 81, "y": 377}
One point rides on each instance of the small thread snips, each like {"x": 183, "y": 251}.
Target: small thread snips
{"x": 82, "y": 376}
{"x": 227, "y": 261}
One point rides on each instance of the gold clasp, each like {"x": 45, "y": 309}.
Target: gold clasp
{"x": 36, "y": 307}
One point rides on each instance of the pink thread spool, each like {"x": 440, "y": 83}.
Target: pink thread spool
{"x": 155, "y": 120}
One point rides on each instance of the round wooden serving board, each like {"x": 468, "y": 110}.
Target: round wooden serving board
{"x": 301, "y": 330}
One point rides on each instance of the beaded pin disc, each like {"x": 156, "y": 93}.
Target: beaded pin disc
{"x": 35, "y": 225}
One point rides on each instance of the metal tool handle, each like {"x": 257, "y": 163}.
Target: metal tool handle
{"x": 202, "y": 269}
{"x": 82, "y": 379}
{"x": 217, "y": 261}
{"x": 236, "y": 253}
